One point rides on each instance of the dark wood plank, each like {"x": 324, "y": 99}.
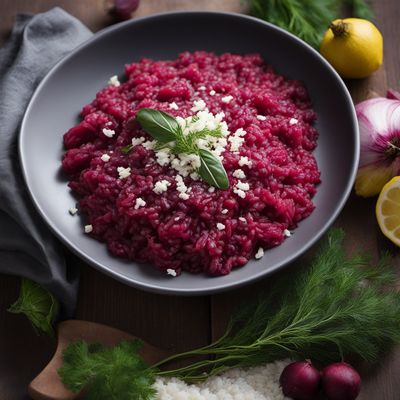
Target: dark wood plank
{"x": 171, "y": 322}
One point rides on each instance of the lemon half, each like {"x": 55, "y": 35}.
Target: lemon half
{"x": 388, "y": 210}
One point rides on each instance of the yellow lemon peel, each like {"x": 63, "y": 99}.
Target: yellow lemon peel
{"x": 353, "y": 46}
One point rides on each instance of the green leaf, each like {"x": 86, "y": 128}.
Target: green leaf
{"x": 212, "y": 170}
{"x": 38, "y": 305}
{"x": 126, "y": 149}
{"x": 161, "y": 126}
{"x": 107, "y": 373}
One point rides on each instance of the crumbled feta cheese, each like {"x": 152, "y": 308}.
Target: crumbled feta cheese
{"x": 181, "y": 188}
{"x": 240, "y": 132}
{"x": 224, "y": 211}
{"x": 123, "y": 172}
{"x": 293, "y": 121}
{"x": 261, "y": 117}
{"x": 161, "y": 186}
{"x": 220, "y": 226}
{"x": 287, "y": 233}
{"x": 113, "y": 81}
{"x": 198, "y": 105}
{"x": 243, "y": 185}
{"x": 202, "y": 88}
{"x": 137, "y": 141}
{"x": 88, "y": 228}
{"x": 176, "y": 219}
{"x": 162, "y": 157}
{"x": 259, "y": 254}
{"x": 195, "y": 176}
{"x": 236, "y": 142}
{"x": 108, "y": 132}
{"x": 171, "y": 272}
{"x": 73, "y": 210}
{"x": 211, "y": 189}
{"x": 239, "y": 192}
{"x": 105, "y": 158}
{"x": 173, "y": 106}
{"x": 227, "y": 99}
{"x": 240, "y": 189}
{"x": 212, "y": 92}
{"x": 149, "y": 144}
{"x": 244, "y": 161}
{"x": 139, "y": 203}
{"x": 242, "y": 219}
{"x": 238, "y": 173}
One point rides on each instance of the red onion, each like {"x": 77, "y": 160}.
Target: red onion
{"x": 340, "y": 381}
{"x": 300, "y": 380}
{"x": 123, "y": 9}
{"x": 379, "y": 121}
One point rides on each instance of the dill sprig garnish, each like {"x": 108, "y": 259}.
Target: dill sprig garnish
{"x": 307, "y": 19}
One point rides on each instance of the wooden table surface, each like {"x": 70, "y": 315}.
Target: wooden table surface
{"x": 179, "y": 323}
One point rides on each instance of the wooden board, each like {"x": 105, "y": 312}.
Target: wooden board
{"x": 178, "y": 323}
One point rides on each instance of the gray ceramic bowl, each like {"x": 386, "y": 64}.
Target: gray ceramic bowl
{"x": 74, "y": 81}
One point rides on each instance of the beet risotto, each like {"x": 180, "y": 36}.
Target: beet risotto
{"x": 150, "y": 205}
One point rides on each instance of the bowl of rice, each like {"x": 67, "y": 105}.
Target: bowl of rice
{"x": 264, "y": 104}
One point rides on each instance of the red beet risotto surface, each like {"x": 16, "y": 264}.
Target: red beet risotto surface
{"x": 212, "y": 230}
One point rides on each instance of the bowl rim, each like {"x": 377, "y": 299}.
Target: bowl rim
{"x": 214, "y": 288}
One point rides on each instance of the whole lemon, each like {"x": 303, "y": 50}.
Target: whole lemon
{"x": 353, "y": 46}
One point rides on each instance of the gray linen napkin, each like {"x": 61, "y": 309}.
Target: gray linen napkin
{"x": 27, "y": 247}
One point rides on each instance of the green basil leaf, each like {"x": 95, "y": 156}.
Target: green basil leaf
{"x": 212, "y": 170}
{"x": 160, "y": 125}
{"x": 126, "y": 149}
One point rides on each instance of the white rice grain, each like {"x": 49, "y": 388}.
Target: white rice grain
{"x": 257, "y": 383}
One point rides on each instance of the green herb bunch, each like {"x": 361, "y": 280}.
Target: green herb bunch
{"x": 337, "y": 308}
{"x": 167, "y": 132}
{"x": 307, "y": 19}
{"x": 107, "y": 373}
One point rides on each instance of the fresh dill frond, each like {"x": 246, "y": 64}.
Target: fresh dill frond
{"x": 307, "y": 19}
{"x": 360, "y": 9}
{"x": 117, "y": 373}
{"x": 38, "y": 305}
{"x": 339, "y": 307}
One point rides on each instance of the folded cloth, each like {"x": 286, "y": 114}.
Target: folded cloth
{"x": 27, "y": 247}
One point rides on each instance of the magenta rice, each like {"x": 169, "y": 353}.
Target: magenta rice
{"x": 133, "y": 202}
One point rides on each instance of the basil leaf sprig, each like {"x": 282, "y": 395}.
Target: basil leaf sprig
{"x": 165, "y": 129}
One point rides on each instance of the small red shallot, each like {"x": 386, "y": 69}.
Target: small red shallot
{"x": 123, "y": 9}
{"x": 300, "y": 380}
{"x": 379, "y": 122}
{"x": 340, "y": 381}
